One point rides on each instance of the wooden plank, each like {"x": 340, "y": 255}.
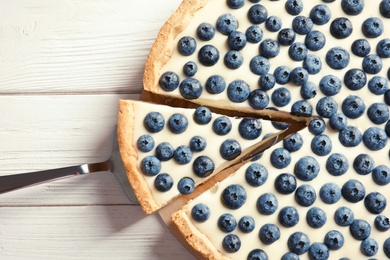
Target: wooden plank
{"x": 77, "y": 46}
{"x": 85, "y": 232}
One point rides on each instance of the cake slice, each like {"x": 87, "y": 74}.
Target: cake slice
{"x": 169, "y": 151}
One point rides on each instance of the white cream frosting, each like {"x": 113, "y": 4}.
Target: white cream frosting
{"x": 351, "y": 249}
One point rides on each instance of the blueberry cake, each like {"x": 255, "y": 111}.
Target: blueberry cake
{"x": 321, "y": 193}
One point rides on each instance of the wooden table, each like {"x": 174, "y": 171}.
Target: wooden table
{"x": 63, "y": 66}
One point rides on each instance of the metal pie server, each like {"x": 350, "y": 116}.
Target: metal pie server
{"x": 113, "y": 164}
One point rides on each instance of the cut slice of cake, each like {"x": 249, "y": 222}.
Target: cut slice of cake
{"x": 169, "y": 151}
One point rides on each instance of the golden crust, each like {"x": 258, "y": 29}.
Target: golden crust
{"x": 194, "y": 237}
{"x": 162, "y": 48}
{"x": 130, "y": 157}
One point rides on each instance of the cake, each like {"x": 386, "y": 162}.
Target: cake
{"x": 321, "y": 193}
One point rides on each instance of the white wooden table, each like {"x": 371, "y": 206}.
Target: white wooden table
{"x": 63, "y": 66}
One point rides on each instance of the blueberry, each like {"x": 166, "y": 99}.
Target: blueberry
{"x": 190, "y": 88}
{"x": 257, "y": 254}
{"x": 294, "y": 7}
{"x": 350, "y": 136}
{"x": 205, "y": 31}
{"x": 186, "y": 46}
{"x": 236, "y": 40}
{"x": 383, "y": 48}
{"x": 273, "y": 23}
{"x": 238, "y": 91}
{"x": 387, "y": 97}
{"x": 318, "y": 251}
{"x": 299, "y": 76}
{"x": 386, "y": 244}
{"x": 203, "y": 166}
{"x": 282, "y": 75}
{"x": 163, "y": 182}
{"x": 353, "y": 107}
{"x": 267, "y": 204}
{"x": 337, "y": 58}
{"x": 257, "y": 14}
{"x": 254, "y": 34}
{"x": 256, "y": 174}
{"x": 316, "y": 217}
{"x": 250, "y": 129}
{"x": 341, "y": 28}
{"x": 231, "y": 243}
{"x": 230, "y": 149}
{"x": 233, "y": 196}
{"x": 169, "y": 81}
{"x": 145, "y": 143}
{"x": 375, "y": 202}
{"x": 280, "y": 125}
{"x": 326, "y": 107}
{"x": 208, "y": 55}
{"x": 343, "y": 216}
{"x": 369, "y": 246}
{"x": 186, "y": 186}
{"x": 330, "y": 193}
{"x": 233, "y": 59}
{"x": 154, "y": 122}
{"x": 334, "y": 240}
{"x": 190, "y": 69}
{"x": 360, "y": 229}
{"x": 382, "y": 223}
{"x": 215, "y": 84}
{"x": 258, "y": 99}
{"x": 363, "y": 164}
{"x": 384, "y": 8}
{"x": 297, "y": 51}
{"x": 315, "y": 40}
{"x": 269, "y": 48}
{"x": 177, "y": 123}
{"x": 378, "y": 113}
{"x": 320, "y": 14}
{"x": 301, "y": 107}
{"x": 235, "y": 4}
{"x": 330, "y": 85}
{"x": 308, "y": 90}
{"x": 285, "y": 183}
{"x": 200, "y": 212}
{"x": 387, "y": 128}
{"x": 280, "y": 158}
{"x": 337, "y": 164}
{"x": 381, "y": 175}
{"x": 312, "y": 63}
{"x": 321, "y": 145}
{"x": 355, "y": 79}
{"x": 338, "y": 121}
{"x": 286, "y": 36}
{"x": 298, "y": 243}
{"x": 352, "y": 7}
{"x": 375, "y": 138}
{"x": 198, "y": 143}
{"x": 372, "y": 27}
{"x": 378, "y": 85}
{"x": 316, "y": 126}
{"x": 361, "y": 47}
{"x": 353, "y": 191}
{"x": 293, "y": 143}
{"x": 290, "y": 256}
{"x": 226, "y": 24}
{"x": 246, "y": 224}
{"x": 269, "y": 233}
{"x": 227, "y": 223}
{"x": 164, "y": 151}
{"x": 281, "y": 97}
{"x": 150, "y": 165}
{"x": 302, "y": 25}
{"x": 182, "y": 154}
{"x": 372, "y": 64}
{"x": 305, "y": 195}
{"x": 259, "y": 65}
{"x": 202, "y": 115}
{"x": 222, "y": 125}
{"x": 306, "y": 168}
{"x": 288, "y": 216}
